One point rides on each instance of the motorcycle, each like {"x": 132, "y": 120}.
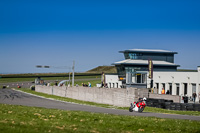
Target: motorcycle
{"x": 138, "y": 106}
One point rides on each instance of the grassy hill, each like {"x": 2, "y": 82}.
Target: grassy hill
{"x": 105, "y": 69}
{"x": 186, "y": 70}
{"x": 112, "y": 69}
{"x": 93, "y": 72}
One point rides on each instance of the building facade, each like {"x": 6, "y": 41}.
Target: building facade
{"x": 134, "y": 72}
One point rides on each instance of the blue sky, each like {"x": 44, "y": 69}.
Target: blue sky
{"x": 91, "y": 32}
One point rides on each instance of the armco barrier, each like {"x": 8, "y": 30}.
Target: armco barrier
{"x": 117, "y": 97}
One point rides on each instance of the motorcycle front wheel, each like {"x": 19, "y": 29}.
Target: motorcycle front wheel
{"x": 141, "y": 109}
{"x": 131, "y": 109}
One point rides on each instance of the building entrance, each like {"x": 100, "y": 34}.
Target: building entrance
{"x": 185, "y": 88}
{"x": 193, "y": 88}
{"x": 177, "y": 89}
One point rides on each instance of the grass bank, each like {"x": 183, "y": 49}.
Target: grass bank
{"x": 147, "y": 109}
{"x": 32, "y": 79}
{"x": 17, "y": 119}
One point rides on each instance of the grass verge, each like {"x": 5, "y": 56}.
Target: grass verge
{"x": 147, "y": 109}
{"x": 15, "y": 118}
{"x": 8, "y": 80}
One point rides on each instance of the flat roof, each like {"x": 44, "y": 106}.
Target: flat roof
{"x": 143, "y": 62}
{"x": 148, "y": 51}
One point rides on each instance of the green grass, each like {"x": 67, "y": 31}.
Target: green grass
{"x": 93, "y": 82}
{"x": 17, "y": 119}
{"x": 165, "y": 111}
{"x": 34, "y": 75}
{"x": 105, "y": 69}
{"x": 8, "y": 80}
{"x": 147, "y": 109}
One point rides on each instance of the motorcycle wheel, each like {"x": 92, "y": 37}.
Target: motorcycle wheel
{"x": 141, "y": 109}
{"x": 131, "y": 109}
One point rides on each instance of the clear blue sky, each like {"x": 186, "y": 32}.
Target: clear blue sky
{"x": 91, "y": 32}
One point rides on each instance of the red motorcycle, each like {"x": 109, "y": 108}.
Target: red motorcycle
{"x": 138, "y": 106}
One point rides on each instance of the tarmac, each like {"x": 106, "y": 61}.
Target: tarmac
{"x": 13, "y": 97}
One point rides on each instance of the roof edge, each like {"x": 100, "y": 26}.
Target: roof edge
{"x": 148, "y": 51}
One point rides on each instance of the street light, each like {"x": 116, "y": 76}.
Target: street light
{"x": 40, "y": 66}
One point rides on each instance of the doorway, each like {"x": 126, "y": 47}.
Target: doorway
{"x": 170, "y": 88}
{"x": 177, "y": 89}
{"x": 185, "y": 88}
{"x": 193, "y": 88}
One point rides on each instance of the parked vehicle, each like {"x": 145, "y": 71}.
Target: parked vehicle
{"x": 138, "y": 106}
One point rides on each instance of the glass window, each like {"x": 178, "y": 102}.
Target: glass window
{"x": 140, "y": 78}
{"x": 126, "y": 55}
{"x": 144, "y": 78}
{"x": 132, "y": 55}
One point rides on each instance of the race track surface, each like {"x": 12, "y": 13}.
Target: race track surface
{"x": 9, "y": 96}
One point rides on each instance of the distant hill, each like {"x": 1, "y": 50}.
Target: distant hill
{"x": 112, "y": 69}
{"x": 186, "y": 70}
{"x": 105, "y": 69}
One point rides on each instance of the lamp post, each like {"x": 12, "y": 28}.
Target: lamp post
{"x": 73, "y": 73}
{"x": 40, "y": 66}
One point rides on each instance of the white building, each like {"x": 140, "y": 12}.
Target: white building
{"x": 134, "y": 72}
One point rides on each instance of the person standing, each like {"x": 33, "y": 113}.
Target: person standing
{"x": 89, "y": 84}
{"x": 163, "y": 91}
{"x": 194, "y": 95}
{"x": 199, "y": 97}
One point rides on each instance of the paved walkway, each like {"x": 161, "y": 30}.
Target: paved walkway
{"x": 9, "y": 96}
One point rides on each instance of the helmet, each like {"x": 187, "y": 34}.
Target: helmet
{"x": 144, "y": 98}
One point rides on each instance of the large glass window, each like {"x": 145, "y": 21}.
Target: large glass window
{"x": 132, "y": 55}
{"x": 136, "y": 77}
{"x": 140, "y": 78}
{"x": 121, "y": 70}
{"x": 126, "y": 56}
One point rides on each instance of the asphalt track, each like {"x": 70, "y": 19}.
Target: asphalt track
{"x": 9, "y": 96}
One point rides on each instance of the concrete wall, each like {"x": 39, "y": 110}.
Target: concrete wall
{"x": 116, "y": 97}
{"x": 176, "y": 99}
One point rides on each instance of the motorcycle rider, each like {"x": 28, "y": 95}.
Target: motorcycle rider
{"x": 135, "y": 108}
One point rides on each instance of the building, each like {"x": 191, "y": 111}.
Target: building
{"x": 134, "y": 72}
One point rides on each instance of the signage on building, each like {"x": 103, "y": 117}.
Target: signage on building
{"x": 122, "y": 78}
{"x": 150, "y": 68}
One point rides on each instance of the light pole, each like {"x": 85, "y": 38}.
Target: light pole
{"x": 73, "y": 74}
{"x": 40, "y": 66}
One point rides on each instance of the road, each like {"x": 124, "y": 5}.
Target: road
{"x": 9, "y": 96}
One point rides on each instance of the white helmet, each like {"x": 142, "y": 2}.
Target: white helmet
{"x": 144, "y": 98}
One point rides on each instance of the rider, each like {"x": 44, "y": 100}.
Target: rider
{"x": 145, "y": 99}
{"x": 139, "y": 100}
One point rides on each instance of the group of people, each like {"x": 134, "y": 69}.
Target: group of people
{"x": 194, "y": 95}
{"x": 86, "y": 85}
{"x": 163, "y": 91}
